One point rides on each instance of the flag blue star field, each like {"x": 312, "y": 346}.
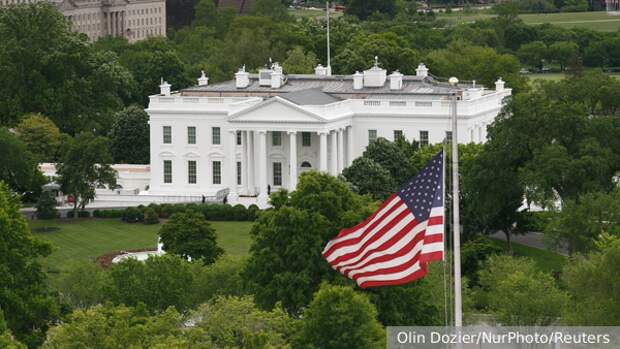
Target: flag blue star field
{"x": 394, "y": 245}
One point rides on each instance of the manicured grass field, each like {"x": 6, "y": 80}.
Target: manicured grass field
{"x": 83, "y": 240}
{"x": 600, "y": 20}
{"x": 547, "y": 261}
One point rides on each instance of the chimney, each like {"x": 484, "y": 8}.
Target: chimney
{"x": 277, "y": 77}
{"x": 358, "y": 81}
{"x": 242, "y": 78}
{"x": 422, "y": 70}
{"x": 164, "y": 88}
{"x": 396, "y": 80}
{"x": 320, "y": 70}
{"x": 375, "y": 76}
{"x": 203, "y": 80}
{"x": 499, "y": 85}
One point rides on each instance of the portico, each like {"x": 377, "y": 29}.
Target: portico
{"x": 276, "y": 157}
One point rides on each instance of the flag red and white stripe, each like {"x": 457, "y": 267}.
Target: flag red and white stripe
{"x": 394, "y": 244}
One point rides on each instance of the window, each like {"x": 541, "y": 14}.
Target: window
{"x": 167, "y": 171}
{"x": 167, "y": 134}
{"x": 306, "y": 139}
{"x": 238, "y": 172}
{"x": 217, "y": 172}
{"x": 423, "y": 138}
{"x": 449, "y": 136}
{"x": 372, "y": 135}
{"x": 276, "y": 138}
{"x": 215, "y": 134}
{"x": 191, "y": 135}
{"x": 398, "y": 134}
{"x": 191, "y": 172}
{"x": 277, "y": 173}
{"x": 306, "y": 164}
{"x": 239, "y": 137}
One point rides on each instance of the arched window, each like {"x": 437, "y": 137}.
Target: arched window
{"x": 306, "y": 164}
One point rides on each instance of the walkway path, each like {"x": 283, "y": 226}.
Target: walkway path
{"x": 533, "y": 239}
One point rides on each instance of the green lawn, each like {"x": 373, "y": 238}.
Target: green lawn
{"x": 547, "y": 261}
{"x": 600, "y": 20}
{"x": 83, "y": 240}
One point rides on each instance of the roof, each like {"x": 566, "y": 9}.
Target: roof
{"x": 311, "y": 96}
{"x": 333, "y": 85}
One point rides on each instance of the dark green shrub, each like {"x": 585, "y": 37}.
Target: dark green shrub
{"x": 150, "y": 216}
{"x": 46, "y": 206}
{"x": 240, "y": 213}
{"x": 70, "y": 214}
{"x": 167, "y": 210}
{"x": 132, "y": 215}
{"x": 253, "y": 212}
{"x": 83, "y": 214}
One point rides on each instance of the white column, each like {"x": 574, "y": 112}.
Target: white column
{"x": 333, "y": 159}
{"x": 263, "y": 198}
{"x": 244, "y": 160}
{"x": 233, "y": 197}
{"x": 323, "y": 151}
{"x": 340, "y": 150}
{"x": 249, "y": 169}
{"x": 349, "y": 145}
{"x": 292, "y": 161}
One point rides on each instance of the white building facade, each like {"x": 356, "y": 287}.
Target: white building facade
{"x": 133, "y": 19}
{"x": 259, "y": 132}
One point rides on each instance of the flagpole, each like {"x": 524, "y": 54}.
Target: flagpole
{"x": 456, "y": 224}
{"x": 329, "y": 65}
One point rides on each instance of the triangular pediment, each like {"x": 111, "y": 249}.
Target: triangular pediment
{"x": 276, "y": 109}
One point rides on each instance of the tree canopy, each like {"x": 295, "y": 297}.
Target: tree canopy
{"x": 24, "y": 299}
{"x": 188, "y": 234}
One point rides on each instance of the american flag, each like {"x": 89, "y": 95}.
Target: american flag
{"x": 394, "y": 244}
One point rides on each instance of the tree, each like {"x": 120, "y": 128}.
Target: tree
{"x": 592, "y": 282}
{"x": 364, "y": 8}
{"x": 563, "y": 53}
{"x": 391, "y": 157}
{"x": 49, "y": 68}
{"x": 509, "y": 284}
{"x": 40, "y": 135}
{"x": 285, "y": 264}
{"x": 130, "y": 137}
{"x": 299, "y": 62}
{"x": 24, "y": 299}
{"x": 339, "y": 318}
{"x": 83, "y": 285}
{"x": 122, "y": 327}
{"x": 158, "y": 283}
{"x": 233, "y": 322}
{"x": 273, "y": 9}
{"x": 150, "y": 61}
{"x": 368, "y": 177}
{"x": 188, "y": 234}
{"x": 18, "y": 169}
{"x": 482, "y": 64}
{"x": 46, "y": 206}
{"x": 84, "y": 167}
{"x": 394, "y": 53}
{"x": 222, "y": 278}
{"x": 580, "y": 222}
{"x": 533, "y": 53}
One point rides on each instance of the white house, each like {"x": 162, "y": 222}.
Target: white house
{"x": 260, "y": 131}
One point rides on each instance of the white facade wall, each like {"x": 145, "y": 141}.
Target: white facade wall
{"x": 351, "y": 119}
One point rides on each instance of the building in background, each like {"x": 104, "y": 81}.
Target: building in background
{"x": 133, "y": 19}
{"x": 260, "y": 131}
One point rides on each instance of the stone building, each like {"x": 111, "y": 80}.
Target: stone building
{"x": 134, "y": 19}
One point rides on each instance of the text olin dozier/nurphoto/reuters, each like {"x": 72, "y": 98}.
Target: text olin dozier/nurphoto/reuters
{"x": 400, "y": 337}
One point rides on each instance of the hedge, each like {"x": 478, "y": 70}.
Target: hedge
{"x": 153, "y": 212}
